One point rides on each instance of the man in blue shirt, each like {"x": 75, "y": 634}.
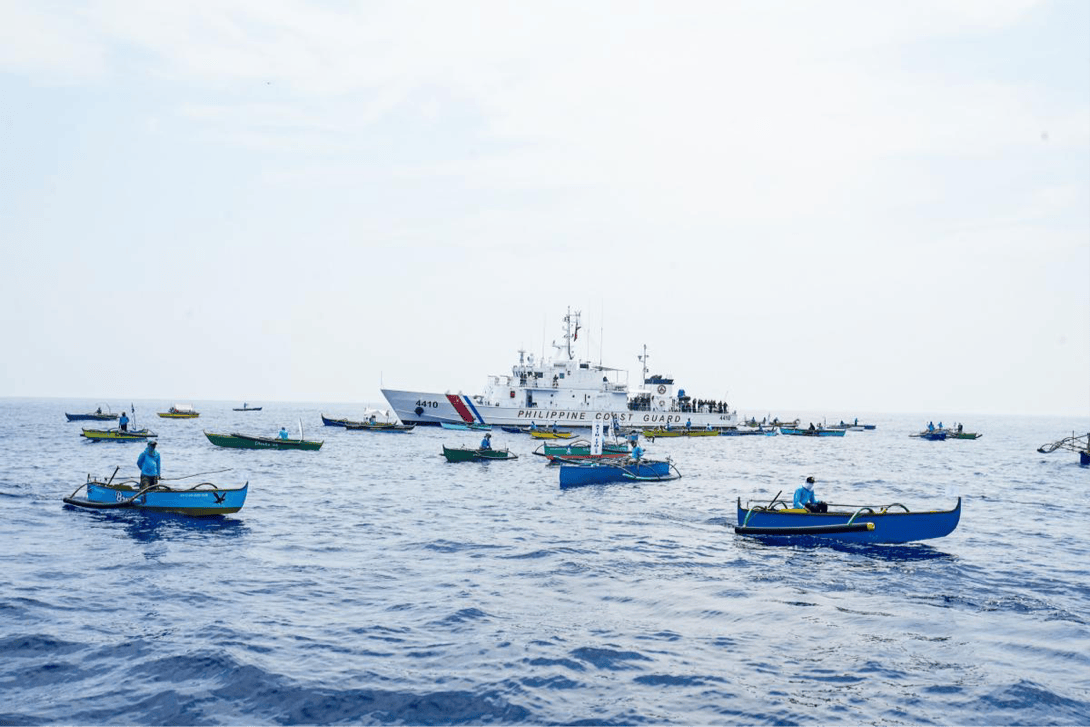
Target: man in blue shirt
{"x": 123, "y": 423}
{"x": 804, "y": 498}
{"x": 283, "y": 433}
{"x": 637, "y": 453}
{"x": 486, "y": 443}
{"x": 148, "y": 462}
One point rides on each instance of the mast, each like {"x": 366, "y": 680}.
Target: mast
{"x": 643, "y": 359}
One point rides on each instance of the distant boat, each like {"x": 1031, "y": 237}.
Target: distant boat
{"x": 95, "y": 415}
{"x": 793, "y": 432}
{"x": 378, "y": 427}
{"x": 180, "y": 411}
{"x": 463, "y": 454}
{"x": 460, "y": 426}
{"x": 247, "y": 407}
{"x": 202, "y": 499}
{"x": 578, "y": 474}
{"x": 680, "y": 432}
{"x": 859, "y": 523}
{"x": 116, "y": 435}
{"x": 546, "y": 434}
{"x": 247, "y": 441}
{"x": 579, "y": 449}
{"x": 932, "y": 435}
{"x": 337, "y": 422}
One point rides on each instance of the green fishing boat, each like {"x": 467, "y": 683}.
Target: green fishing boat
{"x": 462, "y": 454}
{"x": 247, "y": 441}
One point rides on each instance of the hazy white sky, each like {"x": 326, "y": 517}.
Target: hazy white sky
{"x": 851, "y": 206}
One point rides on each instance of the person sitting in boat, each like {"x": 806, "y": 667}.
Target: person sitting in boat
{"x": 123, "y": 423}
{"x": 688, "y": 424}
{"x": 804, "y": 498}
{"x": 98, "y": 410}
{"x": 668, "y": 425}
{"x": 371, "y": 420}
{"x": 931, "y": 426}
{"x": 553, "y": 429}
{"x": 283, "y": 433}
{"x": 708, "y": 427}
{"x": 533, "y": 426}
{"x": 959, "y": 429}
{"x": 812, "y": 426}
{"x": 149, "y": 464}
{"x": 486, "y": 443}
{"x": 637, "y": 453}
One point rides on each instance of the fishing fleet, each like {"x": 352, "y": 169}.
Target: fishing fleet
{"x": 568, "y": 391}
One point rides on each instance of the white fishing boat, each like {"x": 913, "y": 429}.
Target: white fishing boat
{"x": 567, "y": 391}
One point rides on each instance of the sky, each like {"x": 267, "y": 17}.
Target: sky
{"x": 835, "y": 206}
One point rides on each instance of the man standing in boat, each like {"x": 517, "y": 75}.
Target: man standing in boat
{"x": 149, "y": 463}
{"x": 123, "y": 422}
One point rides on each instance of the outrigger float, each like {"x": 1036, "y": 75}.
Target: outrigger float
{"x": 856, "y": 523}
{"x": 1072, "y": 444}
{"x": 202, "y": 499}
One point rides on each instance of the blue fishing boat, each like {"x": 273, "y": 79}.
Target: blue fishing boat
{"x": 201, "y": 499}
{"x": 578, "y": 473}
{"x": 856, "y": 523}
{"x": 98, "y": 416}
{"x": 933, "y": 435}
{"x": 462, "y": 426}
{"x": 817, "y": 432}
{"x": 337, "y": 422}
{"x": 515, "y": 430}
{"x": 1080, "y": 444}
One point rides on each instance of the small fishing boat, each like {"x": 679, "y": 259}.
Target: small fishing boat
{"x": 548, "y": 434}
{"x": 579, "y": 449}
{"x": 953, "y": 434}
{"x": 247, "y": 407}
{"x": 515, "y": 430}
{"x": 464, "y": 454}
{"x": 932, "y": 435}
{"x": 852, "y": 426}
{"x": 180, "y": 411}
{"x": 337, "y": 422}
{"x": 98, "y": 416}
{"x": 816, "y": 432}
{"x": 774, "y": 423}
{"x": 760, "y": 431}
{"x": 201, "y": 499}
{"x": 116, "y": 435}
{"x": 1071, "y": 444}
{"x": 247, "y": 441}
{"x": 574, "y": 473}
{"x": 659, "y": 432}
{"x": 378, "y": 427}
{"x": 463, "y": 426}
{"x": 857, "y": 523}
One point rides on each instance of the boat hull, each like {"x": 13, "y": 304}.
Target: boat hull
{"x": 198, "y": 501}
{"x": 91, "y": 417}
{"x": 792, "y": 432}
{"x": 889, "y": 526}
{"x": 114, "y": 435}
{"x": 245, "y": 441}
{"x": 178, "y": 415}
{"x": 380, "y": 427}
{"x": 245, "y": 408}
{"x": 461, "y": 454}
{"x": 597, "y": 473}
{"x": 429, "y": 408}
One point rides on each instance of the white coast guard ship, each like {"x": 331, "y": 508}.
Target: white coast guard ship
{"x": 569, "y": 392}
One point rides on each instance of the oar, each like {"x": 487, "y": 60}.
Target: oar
{"x": 113, "y": 475}
{"x": 777, "y": 497}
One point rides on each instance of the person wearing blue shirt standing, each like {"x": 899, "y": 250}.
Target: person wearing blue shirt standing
{"x": 123, "y": 423}
{"x": 149, "y": 463}
{"x": 486, "y": 443}
{"x": 804, "y": 498}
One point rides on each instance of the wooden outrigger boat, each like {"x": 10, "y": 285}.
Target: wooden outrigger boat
{"x": 1072, "y": 444}
{"x": 337, "y": 422}
{"x": 579, "y": 449}
{"x": 816, "y": 432}
{"x": 680, "y": 432}
{"x": 378, "y": 427}
{"x": 116, "y": 435}
{"x": 464, "y": 454}
{"x": 463, "y": 426}
{"x": 98, "y": 416}
{"x": 856, "y": 523}
{"x": 954, "y": 434}
{"x": 247, "y": 441}
{"x": 245, "y": 407}
{"x": 575, "y": 473}
{"x": 180, "y": 411}
{"x": 202, "y": 499}
{"x": 549, "y": 434}
{"x": 932, "y": 435}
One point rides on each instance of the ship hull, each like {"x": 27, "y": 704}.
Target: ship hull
{"x": 424, "y": 408}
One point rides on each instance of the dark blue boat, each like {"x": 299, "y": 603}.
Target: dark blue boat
{"x": 337, "y": 422}
{"x": 857, "y": 523}
{"x": 937, "y": 435}
{"x": 579, "y": 473}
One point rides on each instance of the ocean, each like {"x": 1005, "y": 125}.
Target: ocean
{"x": 372, "y": 582}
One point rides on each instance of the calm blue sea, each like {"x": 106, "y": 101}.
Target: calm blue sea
{"x": 374, "y": 583}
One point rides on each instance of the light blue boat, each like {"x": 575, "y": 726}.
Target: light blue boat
{"x": 201, "y": 499}
{"x": 459, "y": 426}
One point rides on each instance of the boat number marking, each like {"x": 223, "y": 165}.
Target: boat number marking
{"x": 421, "y": 402}
{"x": 662, "y": 389}
{"x": 119, "y": 496}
